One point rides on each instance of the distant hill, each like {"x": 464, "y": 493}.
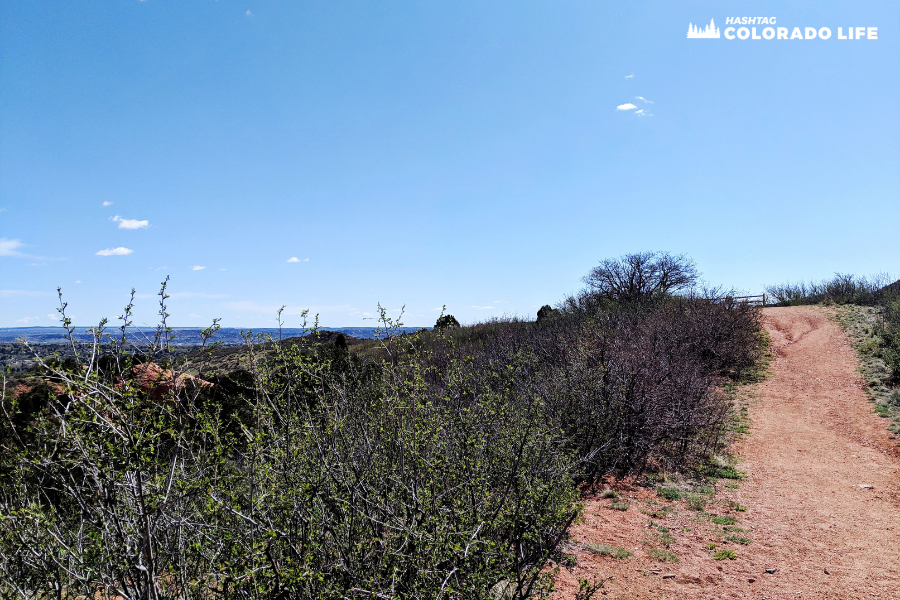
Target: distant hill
{"x": 183, "y": 336}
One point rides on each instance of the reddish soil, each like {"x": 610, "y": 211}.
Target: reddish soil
{"x": 822, "y": 493}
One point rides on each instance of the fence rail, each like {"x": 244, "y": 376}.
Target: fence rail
{"x": 758, "y": 300}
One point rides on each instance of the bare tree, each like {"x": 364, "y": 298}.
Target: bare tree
{"x": 641, "y": 277}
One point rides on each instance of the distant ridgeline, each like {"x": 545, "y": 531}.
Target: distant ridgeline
{"x": 181, "y": 336}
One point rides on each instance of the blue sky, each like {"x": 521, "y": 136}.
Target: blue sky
{"x": 424, "y": 153}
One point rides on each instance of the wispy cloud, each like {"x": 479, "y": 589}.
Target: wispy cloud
{"x": 627, "y": 106}
{"x": 249, "y": 14}
{"x": 120, "y": 251}
{"x": 107, "y": 203}
{"x": 642, "y": 99}
{"x": 10, "y": 247}
{"x": 130, "y": 223}
{"x": 197, "y": 268}
{"x": 642, "y": 113}
{"x": 293, "y": 259}
{"x": 629, "y": 76}
{"x": 482, "y": 307}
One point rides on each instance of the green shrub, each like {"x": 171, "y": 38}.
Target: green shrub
{"x": 723, "y": 520}
{"x": 668, "y": 493}
{"x": 728, "y": 473}
{"x": 723, "y": 554}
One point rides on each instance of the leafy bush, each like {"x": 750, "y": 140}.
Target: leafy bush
{"x": 436, "y": 464}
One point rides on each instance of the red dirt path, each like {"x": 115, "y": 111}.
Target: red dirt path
{"x": 814, "y": 442}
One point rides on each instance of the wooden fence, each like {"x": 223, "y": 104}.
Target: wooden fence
{"x": 759, "y": 300}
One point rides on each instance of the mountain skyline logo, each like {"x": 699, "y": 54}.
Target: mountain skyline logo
{"x": 711, "y": 30}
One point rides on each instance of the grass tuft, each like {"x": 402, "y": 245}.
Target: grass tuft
{"x": 662, "y": 555}
{"x": 607, "y": 550}
{"x": 668, "y": 493}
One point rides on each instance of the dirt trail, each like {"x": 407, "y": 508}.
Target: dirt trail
{"x": 814, "y": 443}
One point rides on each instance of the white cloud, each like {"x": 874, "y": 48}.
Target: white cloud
{"x": 107, "y": 203}
{"x": 293, "y": 259}
{"x": 197, "y": 268}
{"x": 629, "y": 76}
{"x": 27, "y": 319}
{"x": 482, "y": 307}
{"x": 130, "y": 223}
{"x": 249, "y": 14}
{"x": 77, "y": 281}
{"x": 120, "y": 251}
{"x": 10, "y": 247}
{"x": 628, "y": 106}
{"x": 641, "y": 98}
{"x": 51, "y": 316}
{"x": 223, "y": 269}
{"x": 642, "y": 113}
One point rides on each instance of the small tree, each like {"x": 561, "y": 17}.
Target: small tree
{"x": 445, "y": 321}
{"x": 545, "y": 312}
{"x": 641, "y": 277}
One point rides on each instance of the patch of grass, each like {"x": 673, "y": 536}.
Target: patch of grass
{"x": 607, "y": 550}
{"x": 706, "y": 491}
{"x": 656, "y": 511}
{"x": 662, "y": 555}
{"x": 729, "y": 473}
{"x": 738, "y": 539}
{"x": 609, "y": 493}
{"x": 711, "y": 546}
{"x": 734, "y": 529}
{"x": 737, "y": 507}
{"x": 663, "y": 529}
{"x": 659, "y": 538}
{"x": 732, "y": 485}
{"x": 696, "y": 502}
{"x": 723, "y": 554}
{"x": 619, "y": 505}
{"x": 723, "y": 520}
{"x": 668, "y": 493}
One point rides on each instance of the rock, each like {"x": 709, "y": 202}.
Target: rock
{"x": 866, "y": 486}
{"x": 751, "y": 580}
{"x": 669, "y": 576}
{"x": 770, "y": 571}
